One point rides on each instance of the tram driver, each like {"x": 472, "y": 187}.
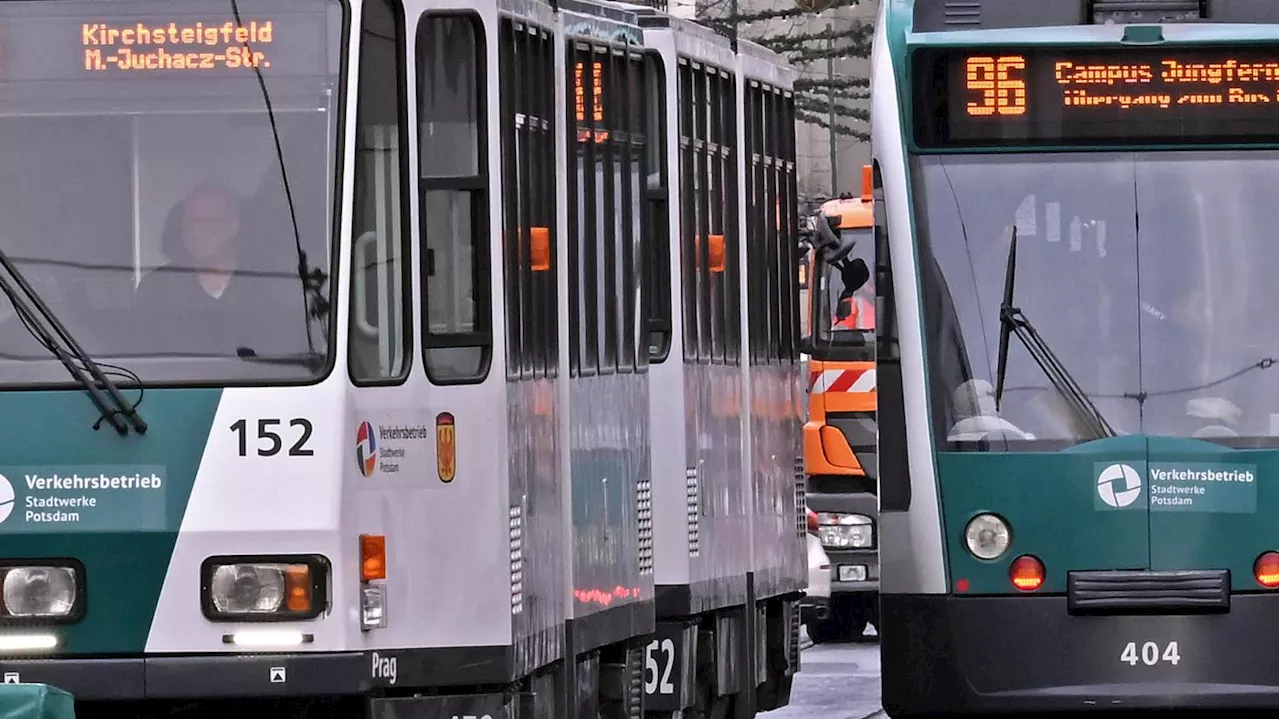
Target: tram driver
{"x": 209, "y": 300}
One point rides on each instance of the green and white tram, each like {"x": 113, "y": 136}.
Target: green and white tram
{"x": 1076, "y": 236}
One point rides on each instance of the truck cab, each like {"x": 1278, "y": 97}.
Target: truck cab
{"x": 840, "y": 431}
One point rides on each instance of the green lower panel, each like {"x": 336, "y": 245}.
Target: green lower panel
{"x": 114, "y": 503}
{"x": 1052, "y": 502}
{"x": 1212, "y": 507}
{"x": 1120, "y": 503}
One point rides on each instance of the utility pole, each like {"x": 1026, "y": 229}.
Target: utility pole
{"x": 733, "y": 12}
{"x": 831, "y": 108}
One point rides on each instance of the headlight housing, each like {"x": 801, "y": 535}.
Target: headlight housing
{"x": 264, "y": 588}
{"x": 987, "y": 536}
{"x": 838, "y": 530}
{"x": 41, "y": 591}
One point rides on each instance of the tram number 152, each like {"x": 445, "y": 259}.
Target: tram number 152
{"x": 1150, "y": 654}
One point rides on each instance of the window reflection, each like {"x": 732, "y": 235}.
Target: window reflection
{"x": 176, "y": 272}
{"x": 150, "y": 209}
{"x": 1150, "y": 277}
{"x": 1207, "y": 275}
{"x": 454, "y": 197}
{"x": 846, "y": 310}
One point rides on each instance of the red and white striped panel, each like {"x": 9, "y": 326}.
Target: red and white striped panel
{"x": 842, "y": 380}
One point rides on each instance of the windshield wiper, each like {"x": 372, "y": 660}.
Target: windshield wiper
{"x": 68, "y": 360}
{"x": 313, "y": 361}
{"x": 1013, "y": 321}
{"x": 315, "y": 304}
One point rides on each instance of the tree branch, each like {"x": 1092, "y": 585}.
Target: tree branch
{"x": 821, "y": 106}
{"x": 821, "y": 83}
{"x": 778, "y": 13}
{"x": 839, "y": 94}
{"x": 787, "y": 43}
{"x": 806, "y": 55}
{"x": 842, "y": 130}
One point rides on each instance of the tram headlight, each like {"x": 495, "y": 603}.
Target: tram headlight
{"x": 263, "y": 589}
{"x": 987, "y": 536}
{"x": 837, "y": 530}
{"x": 41, "y": 592}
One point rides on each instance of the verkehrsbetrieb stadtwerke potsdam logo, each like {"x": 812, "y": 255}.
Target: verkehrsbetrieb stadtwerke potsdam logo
{"x": 366, "y": 449}
{"x": 382, "y": 448}
{"x": 81, "y": 501}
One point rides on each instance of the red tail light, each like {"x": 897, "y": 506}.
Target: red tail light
{"x": 812, "y": 521}
{"x": 1266, "y": 569}
{"x": 1026, "y": 573}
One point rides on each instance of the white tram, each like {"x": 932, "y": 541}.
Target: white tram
{"x": 652, "y": 513}
{"x": 641, "y": 211}
{"x": 537, "y": 455}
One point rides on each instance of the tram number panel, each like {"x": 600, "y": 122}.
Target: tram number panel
{"x": 1009, "y": 96}
{"x": 1150, "y": 653}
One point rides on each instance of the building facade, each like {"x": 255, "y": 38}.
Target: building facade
{"x": 850, "y": 27}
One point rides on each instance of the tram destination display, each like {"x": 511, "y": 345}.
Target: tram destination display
{"x": 103, "y": 41}
{"x": 143, "y": 47}
{"x": 1008, "y": 96}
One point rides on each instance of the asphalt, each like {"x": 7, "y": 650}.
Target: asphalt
{"x": 836, "y": 681}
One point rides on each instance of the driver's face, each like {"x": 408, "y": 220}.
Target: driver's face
{"x": 209, "y": 223}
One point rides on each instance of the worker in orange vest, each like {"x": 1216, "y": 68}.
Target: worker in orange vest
{"x": 854, "y": 312}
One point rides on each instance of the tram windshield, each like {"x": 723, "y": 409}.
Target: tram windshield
{"x": 141, "y": 184}
{"x": 1151, "y": 276}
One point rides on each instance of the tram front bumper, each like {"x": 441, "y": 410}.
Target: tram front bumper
{"x": 220, "y": 685}
{"x": 204, "y": 676}
{"x": 948, "y": 654}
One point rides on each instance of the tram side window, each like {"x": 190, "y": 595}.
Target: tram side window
{"x": 656, "y": 252}
{"x": 454, "y": 205}
{"x": 708, "y": 214}
{"x": 893, "y": 466}
{"x": 606, "y": 210}
{"x": 886, "y": 312}
{"x": 526, "y": 70}
{"x": 380, "y": 350}
{"x": 789, "y": 225}
{"x": 772, "y": 289}
{"x": 758, "y": 210}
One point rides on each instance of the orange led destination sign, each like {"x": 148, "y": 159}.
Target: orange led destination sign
{"x": 140, "y": 47}
{"x": 580, "y": 91}
{"x": 139, "y": 43}
{"x": 1020, "y": 96}
{"x": 597, "y": 100}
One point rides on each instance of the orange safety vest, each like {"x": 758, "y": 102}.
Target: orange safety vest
{"x": 862, "y": 315}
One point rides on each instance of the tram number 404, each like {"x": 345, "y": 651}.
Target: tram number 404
{"x": 1150, "y": 653}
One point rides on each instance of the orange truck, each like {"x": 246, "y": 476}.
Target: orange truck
{"x": 838, "y": 292}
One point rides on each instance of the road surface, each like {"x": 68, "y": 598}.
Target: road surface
{"x": 836, "y": 681}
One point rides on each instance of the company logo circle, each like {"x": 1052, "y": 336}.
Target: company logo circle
{"x": 1119, "y": 485}
{"x": 6, "y": 498}
{"x": 366, "y": 449}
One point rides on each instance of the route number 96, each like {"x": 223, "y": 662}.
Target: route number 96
{"x": 1150, "y": 654}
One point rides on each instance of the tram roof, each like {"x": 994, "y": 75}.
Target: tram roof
{"x": 955, "y": 15}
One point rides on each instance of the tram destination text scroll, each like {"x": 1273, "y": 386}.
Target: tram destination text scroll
{"x": 1013, "y": 96}
{"x": 202, "y": 39}
{"x": 186, "y": 46}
